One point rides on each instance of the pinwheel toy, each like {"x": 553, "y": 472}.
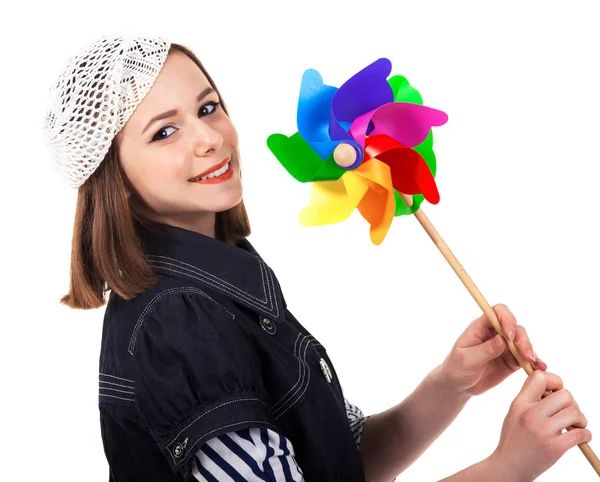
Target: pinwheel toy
{"x": 368, "y": 145}
{"x": 361, "y": 146}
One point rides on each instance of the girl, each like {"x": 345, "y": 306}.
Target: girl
{"x": 204, "y": 372}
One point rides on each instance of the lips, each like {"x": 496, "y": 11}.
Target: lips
{"x": 212, "y": 169}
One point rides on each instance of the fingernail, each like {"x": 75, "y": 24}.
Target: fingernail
{"x": 532, "y": 355}
{"x": 511, "y": 334}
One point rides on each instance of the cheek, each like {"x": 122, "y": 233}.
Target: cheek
{"x": 154, "y": 168}
{"x": 228, "y": 131}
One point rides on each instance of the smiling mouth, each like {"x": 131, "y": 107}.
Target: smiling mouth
{"x": 215, "y": 171}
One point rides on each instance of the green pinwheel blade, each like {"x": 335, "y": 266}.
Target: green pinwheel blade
{"x": 403, "y": 91}
{"x": 299, "y": 159}
{"x": 426, "y": 151}
{"x": 402, "y": 209}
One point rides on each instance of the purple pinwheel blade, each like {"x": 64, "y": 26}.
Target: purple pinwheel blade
{"x": 365, "y": 91}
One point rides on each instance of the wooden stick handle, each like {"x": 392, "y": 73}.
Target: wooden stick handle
{"x": 487, "y": 310}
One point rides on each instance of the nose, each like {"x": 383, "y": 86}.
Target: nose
{"x": 207, "y": 140}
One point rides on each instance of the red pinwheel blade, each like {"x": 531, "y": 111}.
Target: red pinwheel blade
{"x": 410, "y": 173}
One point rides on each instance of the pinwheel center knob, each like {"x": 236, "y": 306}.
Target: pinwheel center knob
{"x": 344, "y": 155}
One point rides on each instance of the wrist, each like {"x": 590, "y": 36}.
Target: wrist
{"x": 488, "y": 470}
{"x": 499, "y": 471}
{"x": 443, "y": 385}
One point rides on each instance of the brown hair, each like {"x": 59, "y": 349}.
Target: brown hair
{"x": 106, "y": 252}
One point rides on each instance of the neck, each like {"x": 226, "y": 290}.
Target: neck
{"x": 200, "y": 223}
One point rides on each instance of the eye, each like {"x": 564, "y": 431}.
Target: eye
{"x": 208, "y": 108}
{"x": 158, "y": 137}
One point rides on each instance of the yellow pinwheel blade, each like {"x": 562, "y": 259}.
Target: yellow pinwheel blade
{"x": 334, "y": 201}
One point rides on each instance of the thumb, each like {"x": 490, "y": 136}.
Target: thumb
{"x": 537, "y": 383}
{"x": 487, "y": 351}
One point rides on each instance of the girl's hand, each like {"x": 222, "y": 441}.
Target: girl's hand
{"x": 532, "y": 440}
{"x": 480, "y": 359}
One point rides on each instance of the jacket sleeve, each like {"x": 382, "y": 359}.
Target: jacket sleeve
{"x": 258, "y": 454}
{"x": 255, "y": 454}
{"x": 190, "y": 386}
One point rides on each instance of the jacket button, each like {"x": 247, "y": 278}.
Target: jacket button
{"x": 268, "y": 325}
{"x": 179, "y": 448}
{"x": 326, "y": 371}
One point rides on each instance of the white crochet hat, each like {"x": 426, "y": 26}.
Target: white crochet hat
{"x": 94, "y": 97}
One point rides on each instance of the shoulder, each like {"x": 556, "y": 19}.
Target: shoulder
{"x": 179, "y": 306}
{"x": 158, "y": 317}
{"x": 186, "y": 345}
{"x": 178, "y": 298}
{"x": 183, "y": 317}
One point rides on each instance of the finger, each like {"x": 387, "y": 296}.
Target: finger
{"x": 478, "y": 331}
{"x": 568, "y": 417}
{"x": 523, "y": 343}
{"x": 539, "y": 365}
{"x": 507, "y": 320}
{"x": 537, "y": 383}
{"x": 571, "y": 438}
{"x": 555, "y": 402}
{"x": 481, "y": 354}
{"x": 510, "y": 360}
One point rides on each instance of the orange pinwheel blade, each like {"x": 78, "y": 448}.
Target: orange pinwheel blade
{"x": 378, "y": 204}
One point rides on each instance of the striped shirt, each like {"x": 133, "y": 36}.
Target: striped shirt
{"x": 257, "y": 454}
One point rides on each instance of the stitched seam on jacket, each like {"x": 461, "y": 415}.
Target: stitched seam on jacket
{"x": 199, "y": 274}
{"x": 206, "y": 413}
{"x": 272, "y": 292}
{"x": 282, "y": 400}
{"x": 117, "y": 390}
{"x": 307, "y": 369}
{"x": 120, "y": 398}
{"x": 115, "y": 384}
{"x": 100, "y": 387}
{"x": 221, "y": 428}
{"x": 227, "y": 287}
{"x": 217, "y": 286}
{"x": 159, "y": 297}
{"x": 195, "y": 269}
{"x": 119, "y": 378}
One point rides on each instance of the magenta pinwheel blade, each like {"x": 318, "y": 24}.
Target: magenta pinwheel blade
{"x": 407, "y": 123}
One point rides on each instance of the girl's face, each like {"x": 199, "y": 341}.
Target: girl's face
{"x": 178, "y": 133}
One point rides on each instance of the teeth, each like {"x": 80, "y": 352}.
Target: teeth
{"x": 217, "y": 173}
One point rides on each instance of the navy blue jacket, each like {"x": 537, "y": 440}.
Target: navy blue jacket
{"x": 210, "y": 349}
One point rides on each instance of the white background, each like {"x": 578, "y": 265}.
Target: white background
{"x": 517, "y": 172}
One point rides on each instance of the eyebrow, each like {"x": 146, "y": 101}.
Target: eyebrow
{"x": 172, "y": 112}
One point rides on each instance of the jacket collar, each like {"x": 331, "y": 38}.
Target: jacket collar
{"x": 235, "y": 271}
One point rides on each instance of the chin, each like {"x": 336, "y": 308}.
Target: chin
{"x": 225, "y": 204}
